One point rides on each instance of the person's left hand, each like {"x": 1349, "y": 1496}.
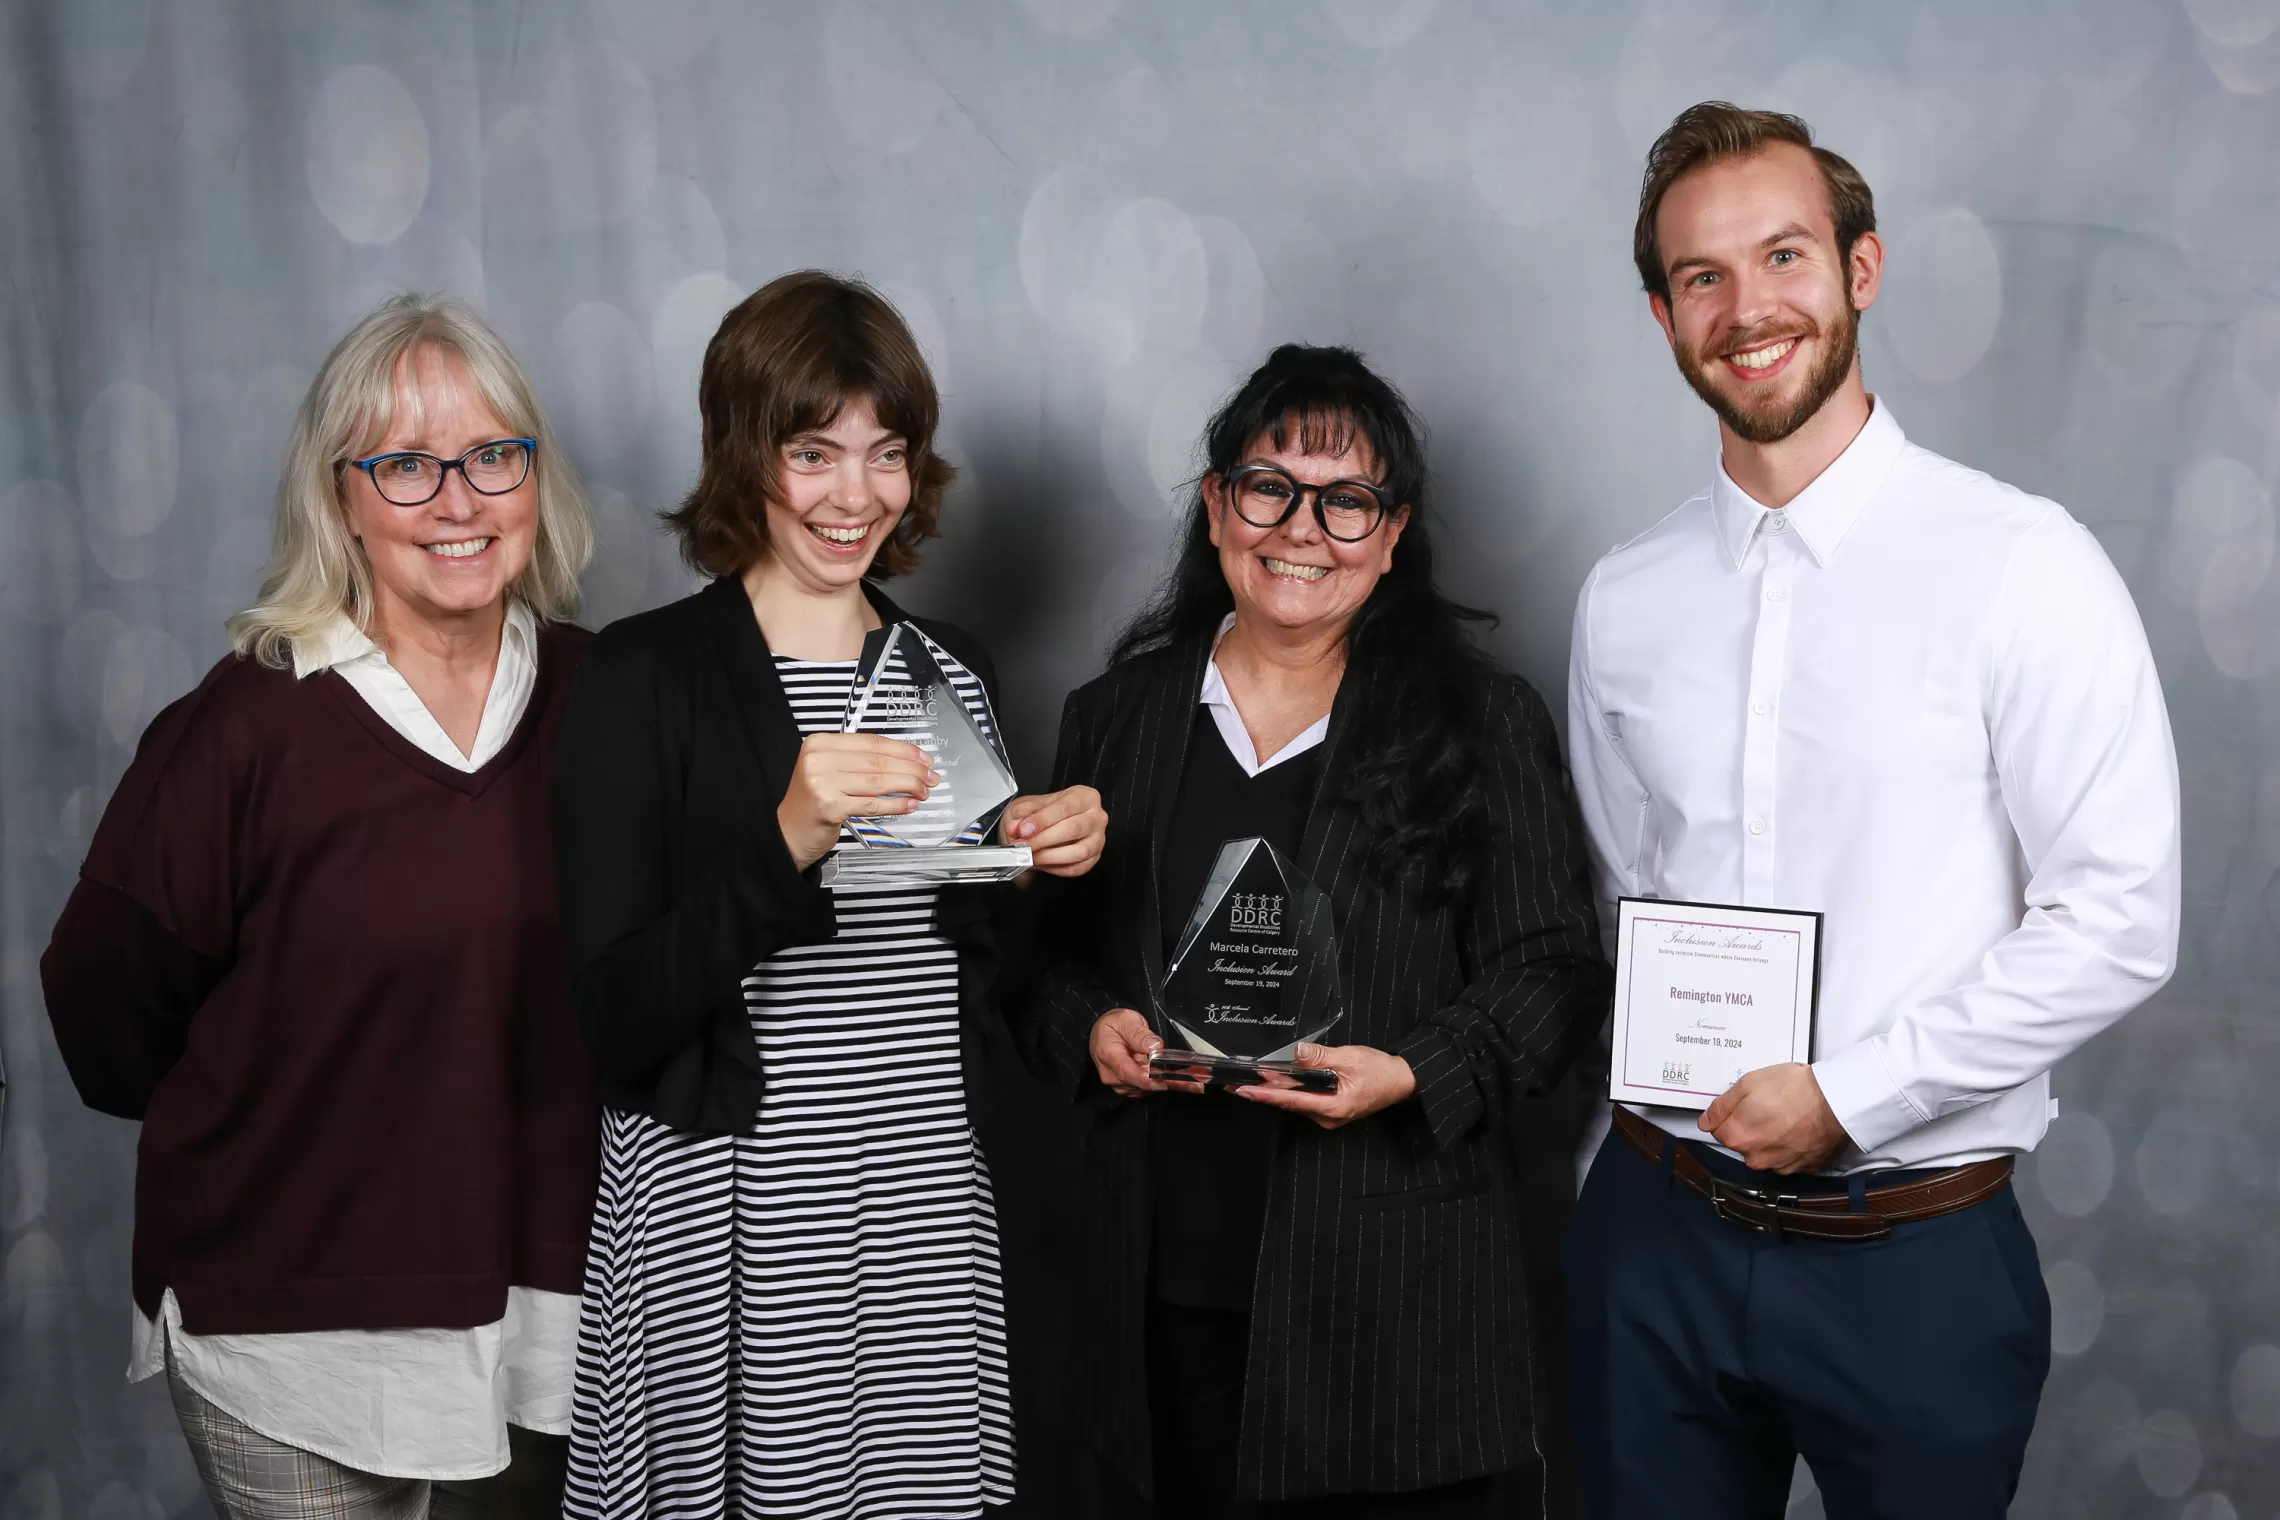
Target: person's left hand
{"x": 1064, "y": 830}
{"x": 1368, "y": 1080}
{"x": 1776, "y": 1118}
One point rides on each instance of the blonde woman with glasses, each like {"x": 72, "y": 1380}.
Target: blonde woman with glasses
{"x": 315, "y": 950}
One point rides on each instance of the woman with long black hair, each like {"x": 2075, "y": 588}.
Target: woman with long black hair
{"x": 1313, "y": 1303}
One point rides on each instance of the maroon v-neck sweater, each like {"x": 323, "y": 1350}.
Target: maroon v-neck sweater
{"x": 326, "y": 972}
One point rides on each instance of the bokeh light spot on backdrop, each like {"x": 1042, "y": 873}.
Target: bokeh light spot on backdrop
{"x": 2179, "y": 1161}
{"x": 117, "y": 1501}
{"x": 1421, "y": 97}
{"x": 1190, "y": 394}
{"x": 431, "y": 256}
{"x": 2145, "y": 314}
{"x": 2168, "y": 1452}
{"x": 32, "y": 1276}
{"x": 79, "y": 668}
{"x": 1531, "y": 139}
{"x": 36, "y": 1496}
{"x": 1676, "y": 53}
{"x": 2074, "y": 1165}
{"x": 2222, "y": 543}
{"x": 1061, "y": 230}
{"x": 2256, "y": 365}
{"x": 367, "y": 154}
{"x": 2077, "y": 1307}
{"x": 1943, "y": 296}
{"x": 23, "y": 1182}
{"x": 1885, "y": 130}
{"x": 576, "y": 149}
{"x": 2256, "y": 1391}
{"x": 618, "y": 582}
{"x": 1113, "y": 274}
{"x": 684, "y": 325}
{"x": 602, "y": 381}
{"x": 2250, "y": 70}
{"x": 925, "y": 324}
{"x": 129, "y": 457}
{"x": 2106, "y": 1423}
{"x": 1235, "y": 290}
{"x": 2235, "y": 23}
{"x": 2209, "y": 1506}
{"x": 607, "y": 157}
{"x": 143, "y": 671}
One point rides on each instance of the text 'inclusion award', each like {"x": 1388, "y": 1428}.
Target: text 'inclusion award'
{"x": 900, "y": 692}
{"x": 1254, "y": 974}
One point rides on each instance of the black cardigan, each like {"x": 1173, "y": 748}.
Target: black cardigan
{"x": 1391, "y": 1342}
{"x": 675, "y": 879}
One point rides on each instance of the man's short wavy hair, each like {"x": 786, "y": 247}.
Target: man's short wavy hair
{"x": 783, "y": 363}
{"x": 1715, "y": 130}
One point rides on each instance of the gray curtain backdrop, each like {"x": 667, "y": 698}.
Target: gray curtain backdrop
{"x": 1098, "y": 215}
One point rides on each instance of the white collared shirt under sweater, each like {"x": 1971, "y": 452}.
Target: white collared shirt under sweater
{"x": 806, "y": 1320}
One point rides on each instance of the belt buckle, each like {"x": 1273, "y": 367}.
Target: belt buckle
{"x": 1723, "y": 1193}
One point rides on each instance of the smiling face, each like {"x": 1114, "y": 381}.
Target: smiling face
{"x": 454, "y": 556}
{"x": 841, "y": 489}
{"x": 1764, "y": 313}
{"x": 1295, "y": 576}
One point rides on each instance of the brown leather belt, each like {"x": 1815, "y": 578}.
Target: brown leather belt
{"x": 1819, "y": 1216}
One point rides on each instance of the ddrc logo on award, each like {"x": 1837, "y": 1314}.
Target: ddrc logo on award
{"x": 899, "y": 707}
{"x": 1256, "y": 913}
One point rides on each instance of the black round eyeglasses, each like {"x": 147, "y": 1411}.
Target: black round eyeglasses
{"x": 1265, "y": 497}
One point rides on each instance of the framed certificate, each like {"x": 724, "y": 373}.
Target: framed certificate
{"x": 1705, "y": 992}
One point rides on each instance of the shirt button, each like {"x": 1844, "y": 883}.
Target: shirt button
{"x": 1776, "y": 594}
{"x": 1757, "y": 825}
{"x": 1761, "y": 708}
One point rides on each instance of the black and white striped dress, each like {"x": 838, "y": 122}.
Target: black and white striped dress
{"x": 806, "y": 1320}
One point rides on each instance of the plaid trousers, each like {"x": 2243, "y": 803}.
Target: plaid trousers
{"x": 249, "y": 1476}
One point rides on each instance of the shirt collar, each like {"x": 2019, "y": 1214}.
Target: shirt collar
{"x": 1825, "y": 511}
{"x": 339, "y": 641}
{"x": 1215, "y": 692}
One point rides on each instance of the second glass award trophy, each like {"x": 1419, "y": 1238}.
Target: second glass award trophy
{"x": 900, "y": 692}
{"x": 1254, "y": 973}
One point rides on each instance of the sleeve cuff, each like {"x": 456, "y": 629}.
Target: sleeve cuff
{"x": 1446, "y": 1093}
{"x": 1865, "y": 1099}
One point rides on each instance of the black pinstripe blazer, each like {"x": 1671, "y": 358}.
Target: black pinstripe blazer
{"x": 1391, "y": 1342}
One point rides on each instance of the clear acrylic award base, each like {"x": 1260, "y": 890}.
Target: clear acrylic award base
{"x": 939, "y": 866}
{"x": 1233, "y": 1071}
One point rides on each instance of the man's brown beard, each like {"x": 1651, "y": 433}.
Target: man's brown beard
{"x": 1820, "y": 385}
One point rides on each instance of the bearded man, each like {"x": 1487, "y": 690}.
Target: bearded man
{"x": 1853, "y": 678}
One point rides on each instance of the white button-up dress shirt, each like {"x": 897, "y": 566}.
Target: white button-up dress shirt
{"x": 1920, "y": 702}
{"x": 413, "y": 1403}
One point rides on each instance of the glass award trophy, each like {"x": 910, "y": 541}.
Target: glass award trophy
{"x": 1255, "y": 972}
{"x": 900, "y": 692}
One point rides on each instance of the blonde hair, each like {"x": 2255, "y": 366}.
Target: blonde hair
{"x": 317, "y": 568}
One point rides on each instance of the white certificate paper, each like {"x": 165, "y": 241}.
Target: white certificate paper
{"x": 1704, "y": 993}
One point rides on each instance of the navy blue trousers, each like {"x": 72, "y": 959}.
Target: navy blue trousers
{"x": 1706, "y": 1357}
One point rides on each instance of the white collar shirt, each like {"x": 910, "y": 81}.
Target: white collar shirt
{"x": 343, "y": 647}
{"x": 1229, "y": 720}
{"x": 1919, "y": 702}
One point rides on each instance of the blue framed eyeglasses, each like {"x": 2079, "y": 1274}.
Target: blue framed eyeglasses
{"x": 409, "y": 478}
